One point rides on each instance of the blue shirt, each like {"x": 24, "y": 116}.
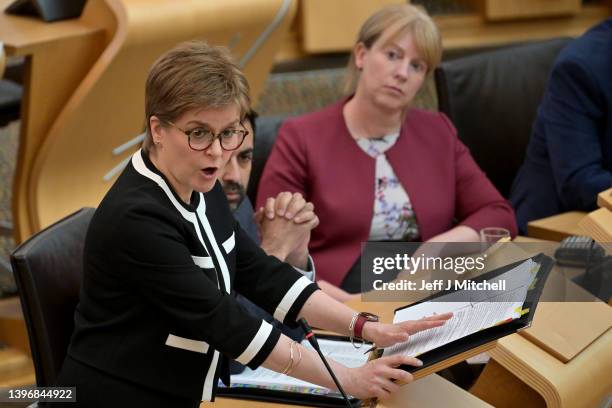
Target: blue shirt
{"x": 569, "y": 156}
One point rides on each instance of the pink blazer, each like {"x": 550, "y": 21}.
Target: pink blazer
{"x": 315, "y": 155}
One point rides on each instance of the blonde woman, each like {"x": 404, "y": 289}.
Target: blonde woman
{"x": 377, "y": 169}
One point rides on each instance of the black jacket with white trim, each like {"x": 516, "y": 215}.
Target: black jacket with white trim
{"x": 155, "y": 305}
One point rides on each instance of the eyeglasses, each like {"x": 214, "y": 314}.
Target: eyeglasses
{"x": 202, "y": 138}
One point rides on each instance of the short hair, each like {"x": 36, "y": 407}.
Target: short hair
{"x": 387, "y": 24}
{"x": 251, "y": 116}
{"x": 193, "y": 75}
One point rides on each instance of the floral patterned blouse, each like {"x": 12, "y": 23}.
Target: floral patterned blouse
{"x": 393, "y": 219}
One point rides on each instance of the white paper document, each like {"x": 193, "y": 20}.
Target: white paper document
{"x": 468, "y": 317}
{"x": 338, "y": 350}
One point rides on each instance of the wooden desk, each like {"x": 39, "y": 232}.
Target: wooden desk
{"x": 563, "y": 360}
{"x": 318, "y": 30}
{"x": 432, "y": 391}
{"x": 566, "y": 329}
{"x": 557, "y": 227}
{"x": 57, "y": 58}
{"x": 83, "y": 101}
{"x": 13, "y": 331}
{"x": 582, "y": 382}
{"x": 16, "y": 366}
{"x": 522, "y": 239}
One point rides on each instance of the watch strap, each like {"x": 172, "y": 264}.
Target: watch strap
{"x": 362, "y": 318}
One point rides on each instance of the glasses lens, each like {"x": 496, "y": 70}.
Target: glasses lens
{"x": 200, "y": 139}
{"x": 231, "y": 139}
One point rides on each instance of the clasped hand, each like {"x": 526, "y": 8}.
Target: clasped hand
{"x": 285, "y": 223}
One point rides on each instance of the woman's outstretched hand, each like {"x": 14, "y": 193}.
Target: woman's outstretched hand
{"x": 375, "y": 378}
{"x": 385, "y": 335}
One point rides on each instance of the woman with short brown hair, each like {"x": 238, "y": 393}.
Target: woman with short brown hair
{"x": 156, "y": 323}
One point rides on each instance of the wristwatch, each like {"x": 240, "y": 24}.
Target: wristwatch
{"x": 362, "y": 318}
{"x": 356, "y": 326}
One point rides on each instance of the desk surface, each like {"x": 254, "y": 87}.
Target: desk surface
{"x": 582, "y": 382}
{"x": 566, "y": 356}
{"x": 22, "y": 34}
{"x": 604, "y": 199}
{"x": 565, "y": 329}
{"x": 557, "y": 227}
{"x": 46, "y": 48}
{"x": 430, "y": 392}
{"x": 562, "y": 328}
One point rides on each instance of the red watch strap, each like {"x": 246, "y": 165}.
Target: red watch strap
{"x": 361, "y": 320}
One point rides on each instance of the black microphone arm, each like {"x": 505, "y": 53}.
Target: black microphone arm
{"x": 315, "y": 344}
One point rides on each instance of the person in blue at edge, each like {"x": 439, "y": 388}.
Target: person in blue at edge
{"x": 278, "y": 235}
{"x": 156, "y": 323}
{"x": 569, "y": 156}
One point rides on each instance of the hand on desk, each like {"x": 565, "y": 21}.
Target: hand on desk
{"x": 375, "y": 378}
{"x": 385, "y": 335}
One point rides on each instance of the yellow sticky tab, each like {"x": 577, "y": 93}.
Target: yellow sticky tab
{"x": 524, "y": 311}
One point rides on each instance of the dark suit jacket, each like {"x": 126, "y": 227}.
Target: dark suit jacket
{"x": 244, "y": 215}
{"x": 569, "y": 157}
{"x": 315, "y": 155}
{"x": 155, "y": 305}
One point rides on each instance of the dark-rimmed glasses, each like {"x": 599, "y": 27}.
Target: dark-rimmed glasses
{"x": 200, "y": 138}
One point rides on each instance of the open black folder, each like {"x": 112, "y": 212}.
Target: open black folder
{"x": 540, "y": 266}
{"x": 528, "y": 307}
{"x": 286, "y": 397}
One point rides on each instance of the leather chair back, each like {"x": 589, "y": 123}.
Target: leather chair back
{"x": 492, "y": 99}
{"x": 48, "y": 268}
{"x": 266, "y": 130}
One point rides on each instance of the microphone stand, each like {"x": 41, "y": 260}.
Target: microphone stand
{"x": 315, "y": 344}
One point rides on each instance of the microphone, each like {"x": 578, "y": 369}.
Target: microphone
{"x": 315, "y": 344}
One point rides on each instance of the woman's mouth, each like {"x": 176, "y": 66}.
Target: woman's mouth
{"x": 394, "y": 90}
{"x": 209, "y": 172}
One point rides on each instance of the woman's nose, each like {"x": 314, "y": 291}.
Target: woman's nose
{"x": 401, "y": 70}
{"x": 215, "y": 148}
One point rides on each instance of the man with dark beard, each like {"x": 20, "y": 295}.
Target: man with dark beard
{"x": 275, "y": 229}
